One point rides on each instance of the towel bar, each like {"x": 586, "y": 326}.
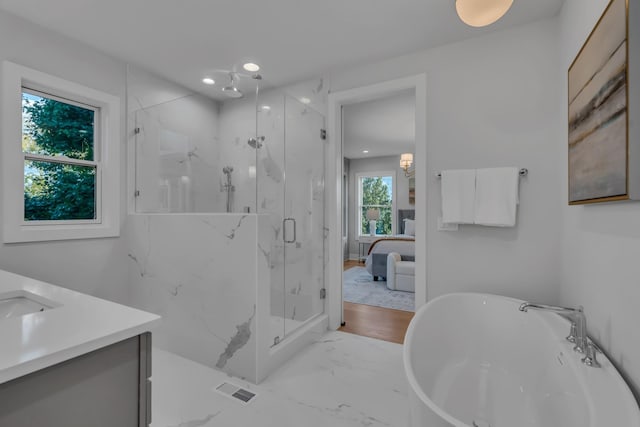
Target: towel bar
{"x": 523, "y": 172}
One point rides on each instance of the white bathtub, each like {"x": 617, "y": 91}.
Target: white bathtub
{"x": 476, "y": 360}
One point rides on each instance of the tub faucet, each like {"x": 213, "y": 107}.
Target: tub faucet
{"x": 578, "y": 334}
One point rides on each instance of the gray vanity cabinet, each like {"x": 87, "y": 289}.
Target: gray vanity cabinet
{"x": 105, "y": 388}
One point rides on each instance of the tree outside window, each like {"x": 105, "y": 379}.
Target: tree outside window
{"x": 60, "y": 171}
{"x": 376, "y": 192}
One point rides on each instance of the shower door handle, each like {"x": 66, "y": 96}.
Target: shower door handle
{"x": 291, "y": 221}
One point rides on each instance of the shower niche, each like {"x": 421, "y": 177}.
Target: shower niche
{"x": 226, "y": 224}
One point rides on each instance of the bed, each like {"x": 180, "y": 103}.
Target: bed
{"x": 402, "y": 243}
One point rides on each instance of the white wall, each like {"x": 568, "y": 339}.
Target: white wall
{"x": 401, "y": 195}
{"x": 97, "y": 266}
{"x": 601, "y": 242}
{"x": 491, "y": 101}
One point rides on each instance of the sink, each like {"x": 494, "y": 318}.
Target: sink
{"x": 19, "y": 303}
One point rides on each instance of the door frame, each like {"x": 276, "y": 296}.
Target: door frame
{"x": 334, "y": 176}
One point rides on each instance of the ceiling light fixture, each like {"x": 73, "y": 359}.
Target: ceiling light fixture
{"x": 480, "y": 13}
{"x": 305, "y": 100}
{"x": 208, "y": 81}
{"x": 365, "y": 151}
{"x": 251, "y": 67}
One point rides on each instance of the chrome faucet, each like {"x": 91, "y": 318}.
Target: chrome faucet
{"x": 578, "y": 333}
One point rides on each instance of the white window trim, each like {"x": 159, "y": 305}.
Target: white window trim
{"x": 359, "y": 175}
{"x": 15, "y": 229}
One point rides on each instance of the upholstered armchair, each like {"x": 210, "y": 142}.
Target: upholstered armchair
{"x": 400, "y": 274}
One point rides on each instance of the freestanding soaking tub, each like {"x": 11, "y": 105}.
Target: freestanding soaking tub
{"x": 475, "y": 360}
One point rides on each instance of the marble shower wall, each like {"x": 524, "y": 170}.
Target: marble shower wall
{"x": 237, "y": 118}
{"x": 202, "y": 273}
{"x": 182, "y": 142}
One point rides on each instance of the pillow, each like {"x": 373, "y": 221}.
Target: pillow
{"x": 409, "y": 227}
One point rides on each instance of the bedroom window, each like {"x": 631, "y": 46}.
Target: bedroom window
{"x": 375, "y": 192}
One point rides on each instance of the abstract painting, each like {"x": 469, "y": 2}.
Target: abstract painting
{"x": 598, "y": 134}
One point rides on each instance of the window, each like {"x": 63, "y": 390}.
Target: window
{"x": 375, "y": 194}
{"x": 60, "y": 169}
{"x": 60, "y": 158}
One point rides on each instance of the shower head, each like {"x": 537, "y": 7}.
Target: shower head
{"x": 232, "y": 91}
{"x": 255, "y": 142}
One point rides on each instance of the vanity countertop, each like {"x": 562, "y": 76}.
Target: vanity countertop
{"x": 80, "y": 324}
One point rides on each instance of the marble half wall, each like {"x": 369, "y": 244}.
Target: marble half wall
{"x": 202, "y": 273}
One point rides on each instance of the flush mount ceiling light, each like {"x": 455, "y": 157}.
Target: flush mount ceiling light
{"x": 251, "y": 67}
{"x": 208, "y": 81}
{"x": 305, "y": 100}
{"x": 365, "y": 151}
{"x": 480, "y": 13}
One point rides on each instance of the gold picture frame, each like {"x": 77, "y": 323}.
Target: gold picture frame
{"x": 598, "y": 99}
{"x": 412, "y": 191}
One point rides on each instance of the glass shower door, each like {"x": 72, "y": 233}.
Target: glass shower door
{"x": 290, "y": 189}
{"x": 303, "y": 222}
{"x": 270, "y": 172}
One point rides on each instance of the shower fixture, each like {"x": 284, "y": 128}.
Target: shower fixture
{"x": 232, "y": 91}
{"x": 227, "y": 186}
{"x": 256, "y": 142}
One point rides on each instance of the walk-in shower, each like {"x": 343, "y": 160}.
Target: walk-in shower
{"x": 237, "y": 291}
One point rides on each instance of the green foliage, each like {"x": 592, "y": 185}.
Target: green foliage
{"x": 376, "y": 194}
{"x": 58, "y": 191}
{"x": 60, "y": 129}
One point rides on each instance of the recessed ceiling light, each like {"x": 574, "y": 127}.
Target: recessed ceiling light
{"x": 305, "y": 100}
{"x": 208, "y": 81}
{"x": 365, "y": 151}
{"x": 265, "y": 108}
{"x": 251, "y": 67}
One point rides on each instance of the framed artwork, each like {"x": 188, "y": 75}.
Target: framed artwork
{"x": 412, "y": 191}
{"x": 598, "y": 114}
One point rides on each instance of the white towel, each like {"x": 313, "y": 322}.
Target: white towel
{"x": 496, "y": 196}
{"x": 458, "y": 196}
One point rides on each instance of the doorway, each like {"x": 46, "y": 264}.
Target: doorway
{"x": 378, "y": 147}
{"x": 387, "y": 224}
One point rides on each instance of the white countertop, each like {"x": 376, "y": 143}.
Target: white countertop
{"x": 80, "y": 324}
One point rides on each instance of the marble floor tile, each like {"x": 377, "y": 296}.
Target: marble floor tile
{"x": 342, "y": 380}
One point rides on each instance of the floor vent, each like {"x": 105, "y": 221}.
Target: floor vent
{"x": 239, "y": 393}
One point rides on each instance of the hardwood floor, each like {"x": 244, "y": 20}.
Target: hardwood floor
{"x": 375, "y": 322}
{"x": 350, "y": 263}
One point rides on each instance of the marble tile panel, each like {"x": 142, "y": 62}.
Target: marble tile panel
{"x": 199, "y": 273}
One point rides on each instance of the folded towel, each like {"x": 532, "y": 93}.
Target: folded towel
{"x": 496, "y": 196}
{"x": 458, "y": 196}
